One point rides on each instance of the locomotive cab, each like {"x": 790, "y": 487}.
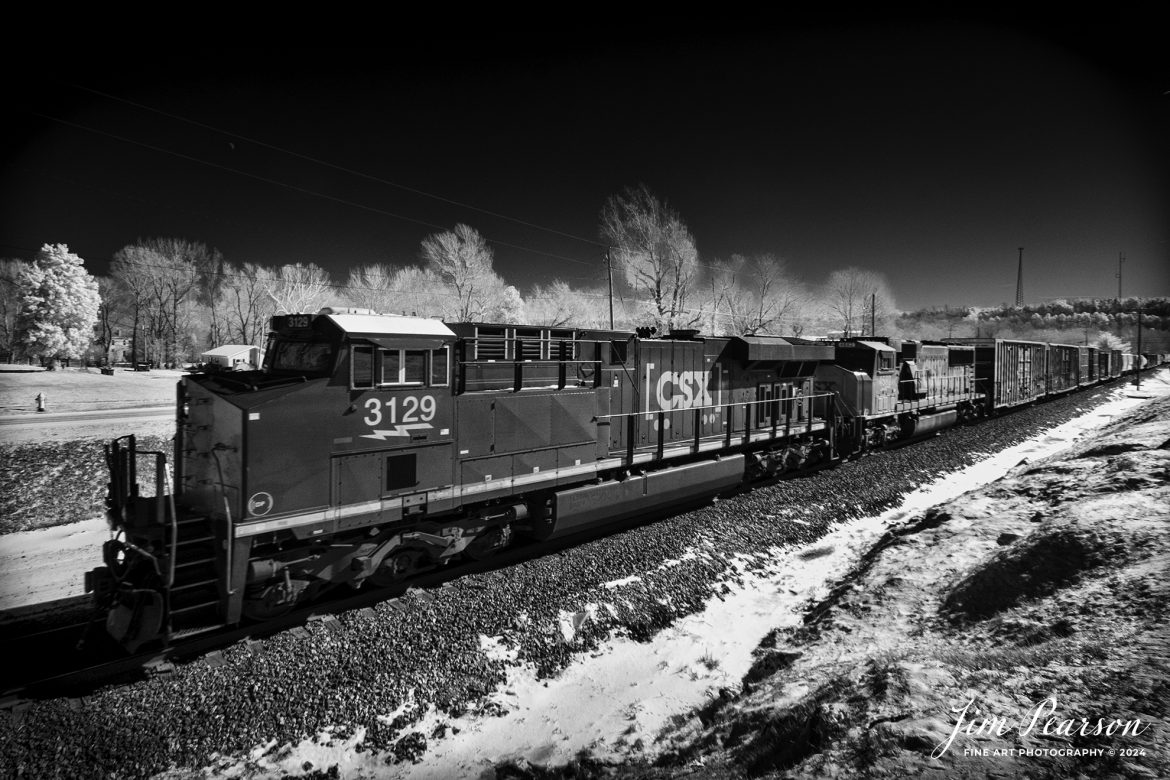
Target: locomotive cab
{"x": 347, "y": 425}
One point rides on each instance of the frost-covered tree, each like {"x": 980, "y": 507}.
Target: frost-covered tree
{"x": 462, "y": 260}
{"x": 10, "y": 271}
{"x": 58, "y": 306}
{"x": 752, "y": 295}
{"x": 558, "y": 305}
{"x": 1110, "y": 341}
{"x": 419, "y": 292}
{"x": 858, "y": 297}
{"x": 373, "y": 287}
{"x": 298, "y": 288}
{"x": 656, "y": 253}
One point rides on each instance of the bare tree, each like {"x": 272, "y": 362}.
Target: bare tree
{"x": 297, "y": 288}
{"x": 655, "y": 251}
{"x": 130, "y": 269}
{"x": 10, "y": 270}
{"x": 879, "y": 311}
{"x": 245, "y": 303}
{"x": 462, "y": 261}
{"x": 421, "y": 292}
{"x": 559, "y": 305}
{"x": 172, "y": 285}
{"x": 374, "y": 287}
{"x": 212, "y": 271}
{"x": 849, "y": 295}
{"x": 111, "y": 311}
{"x": 162, "y": 278}
{"x": 752, "y": 295}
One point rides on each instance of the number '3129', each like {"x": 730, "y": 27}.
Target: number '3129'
{"x": 413, "y": 409}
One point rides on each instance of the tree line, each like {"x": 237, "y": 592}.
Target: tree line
{"x": 172, "y": 299}
{"x": 1110, "y": 322}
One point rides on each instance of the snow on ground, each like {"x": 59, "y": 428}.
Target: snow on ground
{"x": 32, "y": 562}
{"x": 613, "y": 703}
{"x": 84, "y": 389}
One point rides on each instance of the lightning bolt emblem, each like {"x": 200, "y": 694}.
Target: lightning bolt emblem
{"x": 398, "y": 430}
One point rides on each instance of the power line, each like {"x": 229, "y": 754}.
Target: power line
{"x": 367, "y": 176}
{"x": 334, "y": 166}
{"x": 293, "y": 187}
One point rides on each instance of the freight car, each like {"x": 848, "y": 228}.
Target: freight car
{"x": 372, "y": 447}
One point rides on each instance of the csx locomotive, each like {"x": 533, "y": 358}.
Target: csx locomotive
{"x": 371, "y": 447}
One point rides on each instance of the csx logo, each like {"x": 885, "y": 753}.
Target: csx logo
{"x": 690, "y": 390}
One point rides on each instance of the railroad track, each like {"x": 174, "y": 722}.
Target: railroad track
{"x": 67, "y": 656}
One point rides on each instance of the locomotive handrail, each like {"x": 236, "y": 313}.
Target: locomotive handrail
{"x": 164, "y": 496}
{"x": 229, "y": 533}
{"x": 660, "y": 414}
{"x": 755, "y": 402}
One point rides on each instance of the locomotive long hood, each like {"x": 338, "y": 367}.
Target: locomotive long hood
{"x": 773, "y": 349}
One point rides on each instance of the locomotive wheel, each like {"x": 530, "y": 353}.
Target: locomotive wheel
{"x": 395, "y": 568}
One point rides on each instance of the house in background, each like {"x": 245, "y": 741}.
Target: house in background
{"x": 232, "y": 357}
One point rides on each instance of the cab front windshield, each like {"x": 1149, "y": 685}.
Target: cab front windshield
{"x": 298, "y": 356}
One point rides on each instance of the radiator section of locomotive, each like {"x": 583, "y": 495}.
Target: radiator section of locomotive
{"x": 593, "y": 505}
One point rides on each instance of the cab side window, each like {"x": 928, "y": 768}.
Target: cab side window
{"x": 361, "y": 365}
{"x": 391, "y": 366}
{"x": 372, "y": 367}
{"x": 414, "y": 366}
{"x": 440, "y": 367}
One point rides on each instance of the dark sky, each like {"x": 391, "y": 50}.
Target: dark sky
{"x": 927, "y": 149}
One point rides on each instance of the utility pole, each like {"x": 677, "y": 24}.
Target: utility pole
{"x": 872, "y": 315}
{"x": 1137, "y": 368}
{"x": 609, "y": 274}
{"x": 1020, "y": 280}
{"x": 1120, "y": 260}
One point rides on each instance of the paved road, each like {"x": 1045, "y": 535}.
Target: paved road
{"x": 104, "y": 423}
{"x": 72, "y": 418}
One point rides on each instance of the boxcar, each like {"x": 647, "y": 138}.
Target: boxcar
{"x": 1089, "y": 365}
{"x": 1064, "y": 367}
{"x": 1009, "y": 372}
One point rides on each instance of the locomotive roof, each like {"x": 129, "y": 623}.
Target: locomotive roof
{"x": 389, "y": 325}
{"x": 877, "y": 346}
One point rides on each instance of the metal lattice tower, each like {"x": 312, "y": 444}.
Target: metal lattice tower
{"x": 1020, "y": 280}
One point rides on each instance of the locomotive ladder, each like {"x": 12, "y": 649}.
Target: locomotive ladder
{"x": 185, "y": 547}
{"x": 194, "y": 603}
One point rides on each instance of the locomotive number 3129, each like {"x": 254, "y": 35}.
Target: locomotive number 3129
{"x": 413, "y": 409}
